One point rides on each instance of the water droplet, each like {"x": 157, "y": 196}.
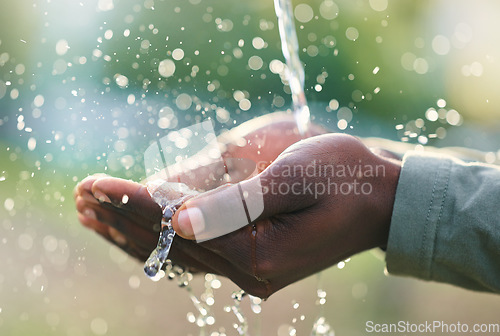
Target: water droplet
{"x": 166, "y": 68}
{"x": 352, "y": 33}
{"x": 322, "y": 328}
{"x": 178, "y": 54}
{"x": 329, "y": 10}
{"x": 125, "y": 199}
{"x": 121, "y": 80}
{"x": 183, "y": 101}
{"x": 255, "y": 62}
{"x": 420, "y": 66}
{"x": 441, "y": 45}
{"x": 303, "y": 13}
{"x": 131, "y": 99}
{"x": 62, "y": 47}
{"x": 20, "y": 68}
{"x": 258, "y": 43}
{"x": 9, "y": 204}
{"x": 245, "y": 104}
{"x": 105, "y": 5}
{"x": 108, "y": 34}
{"x": 99, "y": 326}
{"x": 453, "y": 117}
{"x": 134, "y": 281}
{"x": 378, "y": 5}
{"x": 31, "y": 144}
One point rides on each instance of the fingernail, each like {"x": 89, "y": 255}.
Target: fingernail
{"x": 101, "y": 197}
{"x": 191, "y": 221}
{"x": 117, "y": 236}
{"x": 89, "y": 198}
{"x": 89, "y": 213}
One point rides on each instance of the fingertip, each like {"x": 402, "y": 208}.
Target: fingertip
{"x": 102, "y": 197}
{"x": 101, "y": 187}
{"x": 113, "y": 190}
{"x": 85, "y": 185}
{"x": 181, "y": 225}
{"x": 188, "y": 222}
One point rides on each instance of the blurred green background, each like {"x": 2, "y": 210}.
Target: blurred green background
{"x": 86, "y": 86}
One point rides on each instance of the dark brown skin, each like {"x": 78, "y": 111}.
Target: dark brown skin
{"x": 296, "y": 235}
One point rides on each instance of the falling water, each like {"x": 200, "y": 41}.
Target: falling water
{"x": 169, "y": 196}
{"x": 295, "y": 70}
{"x": 170, "y": 201}
{"x": 290, "y": 49}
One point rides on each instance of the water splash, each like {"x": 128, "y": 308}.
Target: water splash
{"x": 169, "y": 196}
{"x": 296, "y": 76}
{"x": 159, "y": 255}
{"x": 321, "y": 327}
{"x": 242, "y": 325}
{"x": 295, "y": 70}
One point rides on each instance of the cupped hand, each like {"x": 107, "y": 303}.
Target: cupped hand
{"x": 302, "y": 228}
{"x": 132, "y": 222}
{"x": 324, "y": 199}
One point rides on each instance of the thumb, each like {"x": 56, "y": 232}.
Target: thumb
{"x": 220, "y": 211}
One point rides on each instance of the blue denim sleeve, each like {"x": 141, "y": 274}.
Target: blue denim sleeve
{"x": 445, "y": 224}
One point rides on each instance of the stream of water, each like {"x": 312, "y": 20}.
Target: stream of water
{"x": 171, "y": 199}
{"x": 296, "y": 76}
{"x": 295, "y": 70}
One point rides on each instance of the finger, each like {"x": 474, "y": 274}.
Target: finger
{"x": 86, "y": 201}
{"x": 125, "y": 228}
{"x": 127, "y": 195}
{"x": 89, "y": 219}
{"x": 85, "y": 186}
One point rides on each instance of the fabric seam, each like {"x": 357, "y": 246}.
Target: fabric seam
{"x": 424, "y": 238}
{"x": 445, "y": 193}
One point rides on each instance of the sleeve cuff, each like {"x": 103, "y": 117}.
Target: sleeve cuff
{"x": 418, "y": 209}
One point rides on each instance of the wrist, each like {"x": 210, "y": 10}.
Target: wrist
{"x": 382, "y": 201}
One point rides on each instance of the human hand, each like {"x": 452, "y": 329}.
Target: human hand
{"x": 302, "y": 229}
{"x": 134, "y": 225}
